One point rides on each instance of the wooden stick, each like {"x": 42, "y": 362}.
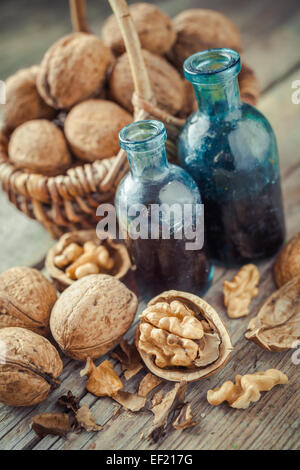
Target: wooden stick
{"x": 78, "y": 16}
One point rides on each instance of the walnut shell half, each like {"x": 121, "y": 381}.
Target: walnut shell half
{"x": 91, "y": 315}
{"x": 117, "y": 251}
{"x": 180, "y": 337}
{"x": 29, "y": 367}
{"x": 26, "y": 299}
{"x": 277, "y": 325}
{"x": 287, "y": 263}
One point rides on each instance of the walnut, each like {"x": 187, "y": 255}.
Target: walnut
{"x": 246, "y": 389}
{"x": 287, "y": 263}
{"x": 102, "y": 380}
{"x": 199, "y": 29}
{"x": 249, "y": 86}
{"x": 77, "y": 251}
{"x": 92, "y": 129}
{"x": 181, "y": 337}
{"x": 239, "y": 293}
{"x": 277, "y": 325}
{"x": 91, "y": 315}
{"x": 73, "y": 69}
{"x": 167, "y": 85}
{"x": 23, "y": 103}
{"x": 29, "y": 367}
{"x": 39, "y": 146}
{"x": 154, "y": 28}
{"x": 26, "y": 299}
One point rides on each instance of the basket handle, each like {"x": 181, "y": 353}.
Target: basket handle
{"x": 78, "y": 16}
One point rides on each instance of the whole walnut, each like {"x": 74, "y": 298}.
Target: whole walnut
{"x": 199, "y": 29}
{"x": 73, "y": 69}
{"x": 287, "y": 263}
{"x": 39, "y": 146}
{"x": 23, "y": 101}
{"x": 154, "y": 28}
{"x": 29, "y": 367}
{"x": 92, "y": 128}
{"x": 166, "y": 83}
{"x": 26, "y": 299}
{"x": 91, "y": 315}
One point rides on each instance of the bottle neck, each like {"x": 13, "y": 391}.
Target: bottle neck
{"x": 148, "y": 164}
{"x": 218, "y": 99}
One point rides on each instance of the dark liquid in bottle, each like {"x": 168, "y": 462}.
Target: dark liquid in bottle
{"x": 240, "y": 230}
{"x": 166, "y": 264}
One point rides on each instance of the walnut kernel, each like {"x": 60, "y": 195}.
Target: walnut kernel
{"x": 239, "y": 293}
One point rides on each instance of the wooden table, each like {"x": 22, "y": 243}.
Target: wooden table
{"x": 271, "y": 44}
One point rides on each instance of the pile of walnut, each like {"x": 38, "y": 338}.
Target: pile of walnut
{"x": 70, "y": 108}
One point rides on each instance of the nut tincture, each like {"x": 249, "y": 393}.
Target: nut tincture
{"x": 160, "y": 213}
{"x": 230, "y": 150}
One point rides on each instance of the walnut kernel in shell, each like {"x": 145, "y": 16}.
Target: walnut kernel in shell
{"x": 287, "y": 263}
{"x": 29, "y": 367}
{"x": 92, "y": 129}
{"x": 39, "y": 146}
{"x": 23, "y": 102}
{"x": 26, "y": 299}
{"x": 199, "y": 29}
{"x": 180, "y": 337}
{"x": 73, "y": 69}
{"x": 154, "y": 28}
{"x": 91, "y": 315}
{"x": 167, "y": 85}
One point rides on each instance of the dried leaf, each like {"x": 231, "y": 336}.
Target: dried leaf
{"x": 102, "y": 380}
{"x": 185, "y": 417}
{"x": 86, "y": 420}
{"x": 131, "y": 371}
{"x": 56, "y": 424}
{"x": 277, "y": 325}
{"x": 148, "y": 383}
{"x": 130, "y": 401}
{"x": 129, "y": 357}
{"x": 69, "y": 402}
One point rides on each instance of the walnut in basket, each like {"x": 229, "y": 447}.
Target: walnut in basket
{"x": 92, "y": 129}
{"x": 39, "y": 146}
{"x": 167, "y": 85}
{"x": 80, "y": 253}
{"x": 73, "y": 69}
{"x": 199, "y": 29}
{"x": 155, "y": 29}
{"x": 23, "y": 102}
{"x": 180, "y": 337}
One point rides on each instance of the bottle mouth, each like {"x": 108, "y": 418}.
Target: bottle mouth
{"x": 142, "y": 135}
{"x": 212, "y": 66}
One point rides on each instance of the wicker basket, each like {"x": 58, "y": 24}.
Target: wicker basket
{"x": 69, "y": 201}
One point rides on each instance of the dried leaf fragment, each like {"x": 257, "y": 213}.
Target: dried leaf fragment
{"x": 129, "y": 357}
{"x": 277, "y": 325}
{"x": 102, "y": 380}
{"x": 239, "y": 292}
{"x": 56, "y": 424}
{"x": 246, "y": 389}
{"x": 130, "y": 401}
{"x": 69, "y": 402}
{"x": 148, "y": 383}
{"x": 185, "y": 418}
{"x": 86, "y": 420}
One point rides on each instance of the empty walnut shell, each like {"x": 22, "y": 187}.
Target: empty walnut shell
{"x": 217, "y": 351}
{"x": 29, "y": 367}
{"x": 277, "y": 325}
{"x": 23, "y": 102}
{"x": 287, "y": 263}
{"x": 26, "y": 299}
{"x": 117, "y": 251}
{"x": 154, "y": 28}
{"x": 73, "y": 69}
{"x": 91, "y": 315}
{"x": 39, "y": 146}
{"x": 199, "y": 29}
{"x": 92, "y": 129}
{"x": 166, "y": 83}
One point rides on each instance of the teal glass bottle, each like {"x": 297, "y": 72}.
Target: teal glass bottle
{"x": 230, "y": 150}
{"x": 149, "y": 190}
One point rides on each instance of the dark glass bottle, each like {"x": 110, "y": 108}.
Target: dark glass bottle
{"x": 152, "y": 181}
{"x": 230, "y": 150}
